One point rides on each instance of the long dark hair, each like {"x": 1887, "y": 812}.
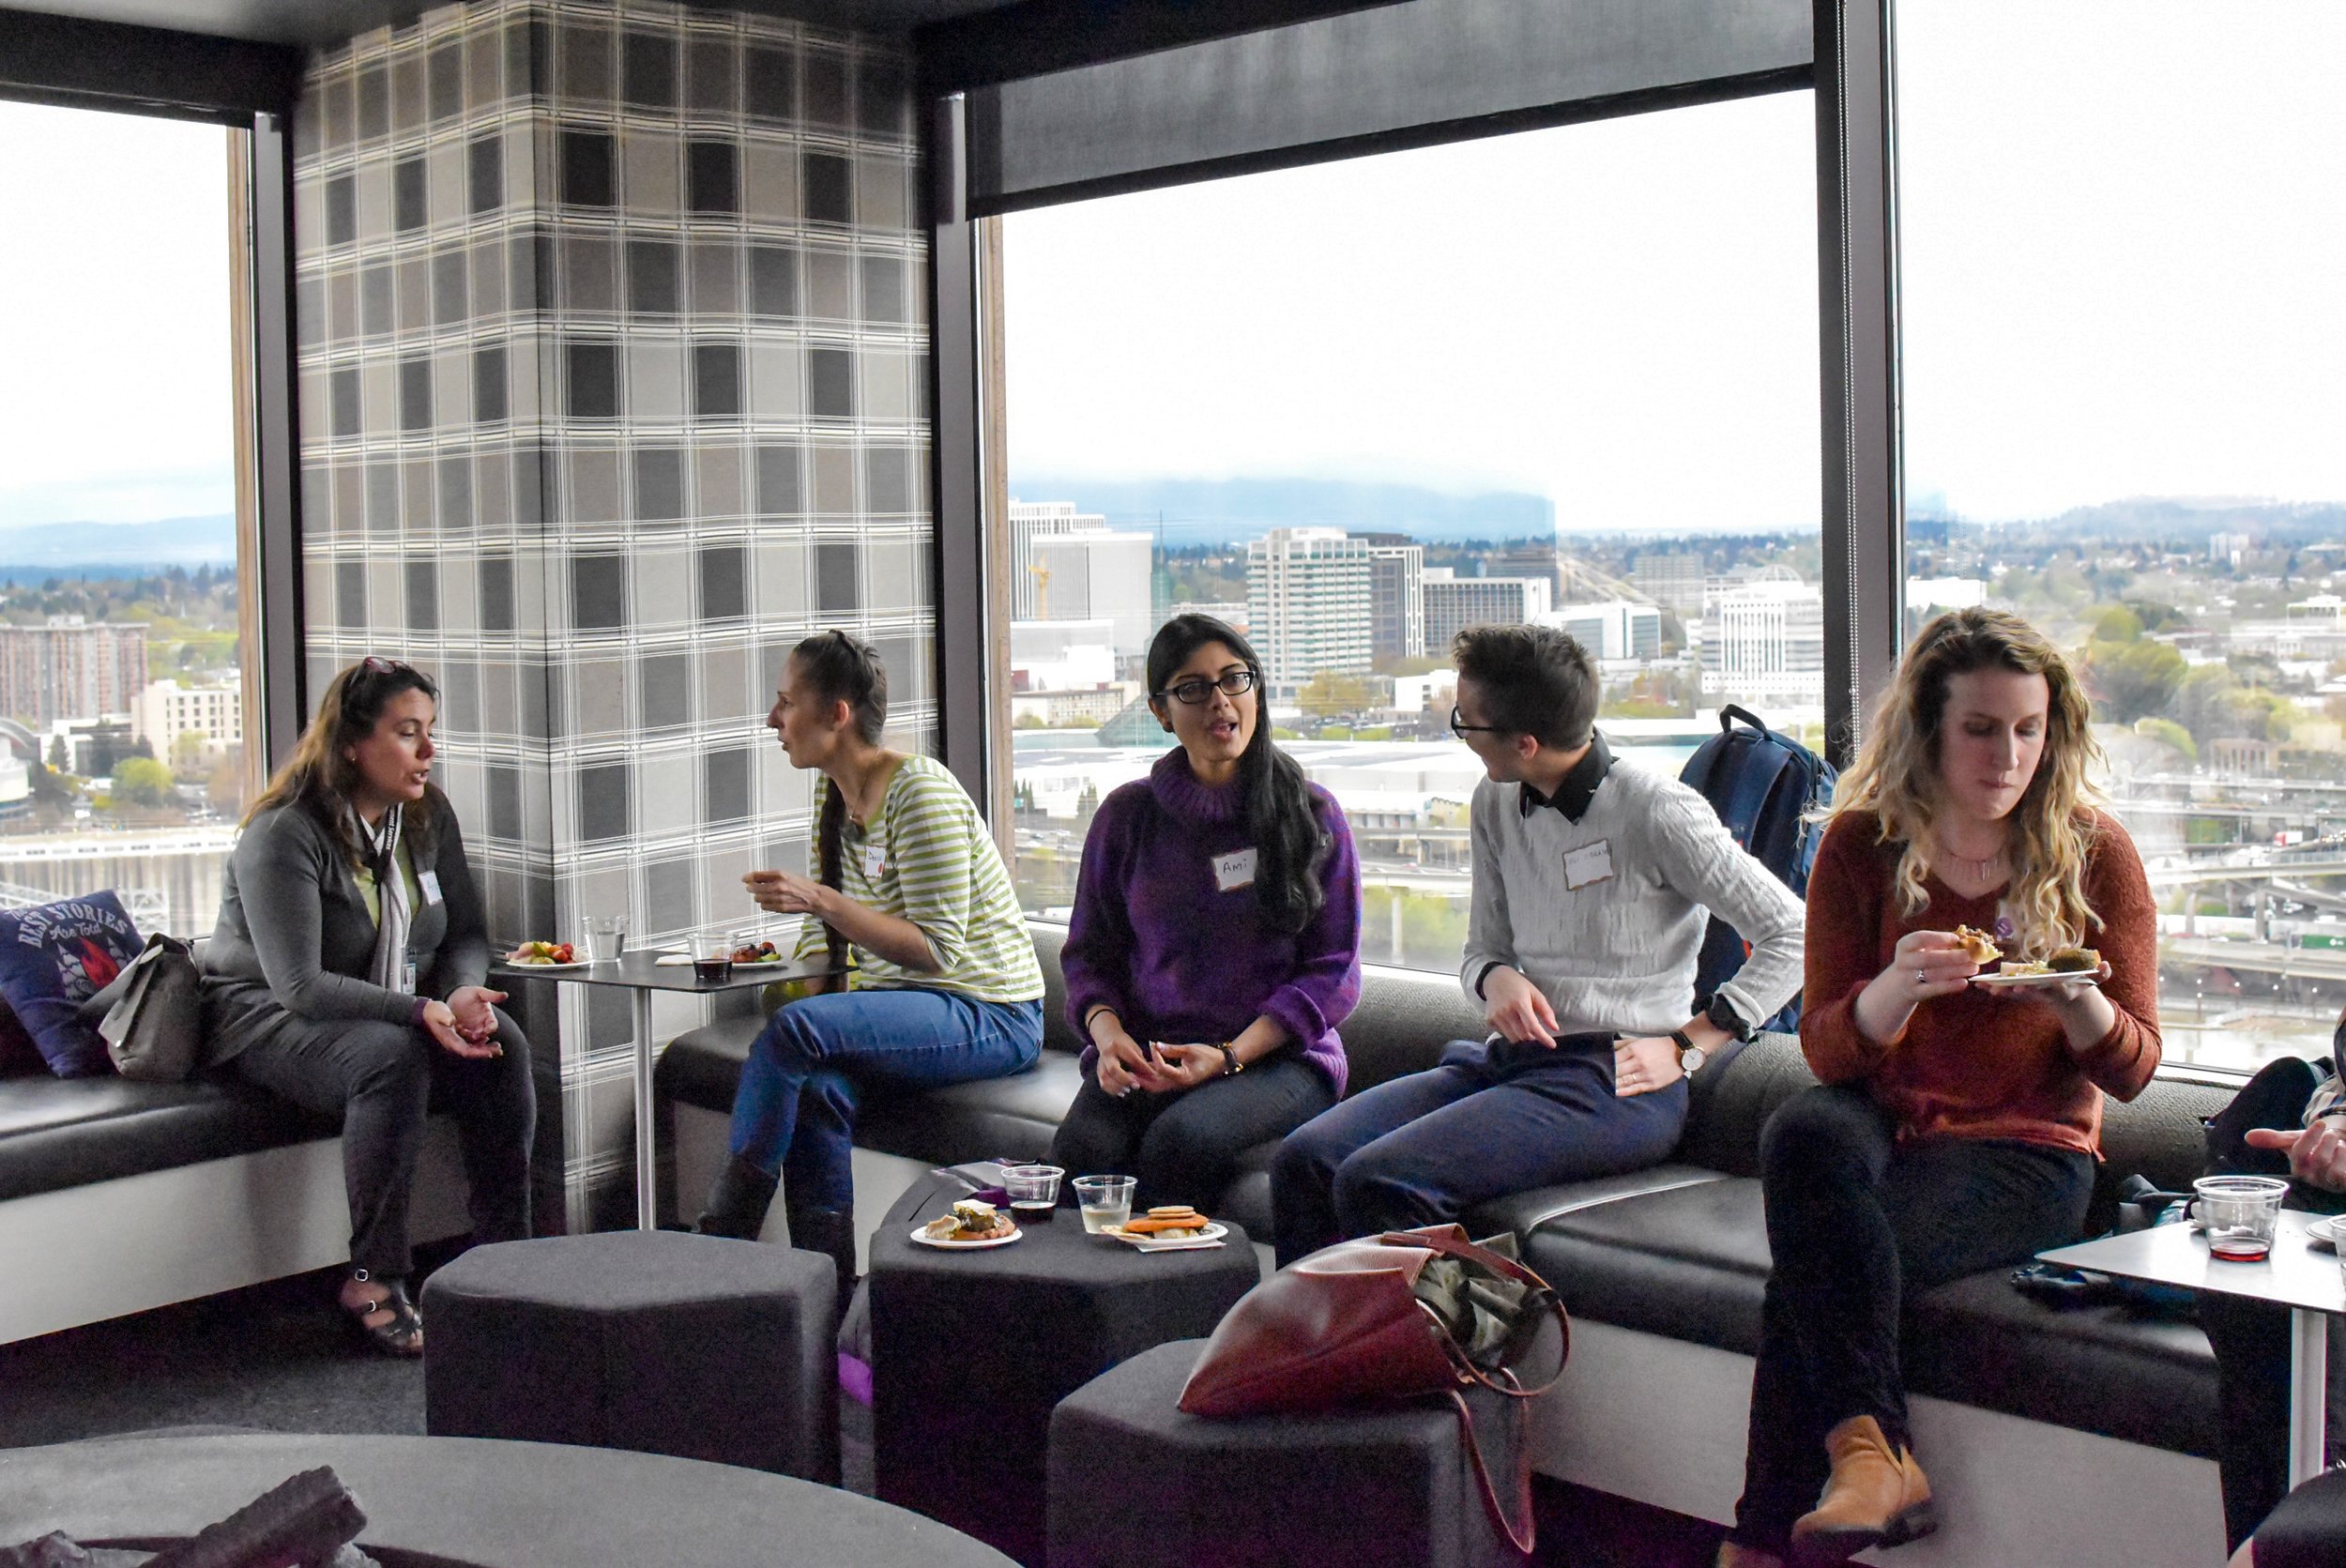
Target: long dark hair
{"x": 320, "y": 779}
{"x": 1289, "y": 844}
{"x": 840, "y": 667}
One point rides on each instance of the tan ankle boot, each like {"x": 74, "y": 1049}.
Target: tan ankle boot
{"x": 1878, "y": 1497}
{"x": 1734, "y": 1554}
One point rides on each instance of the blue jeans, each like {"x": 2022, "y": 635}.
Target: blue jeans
{"x": 794, "y": 1112}
{"x": 1425, "y": 1149}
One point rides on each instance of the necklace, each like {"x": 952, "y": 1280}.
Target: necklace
{"x": 1974, "y": 869}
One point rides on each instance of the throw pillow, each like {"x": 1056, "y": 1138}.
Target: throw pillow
{"x": 54, "y": 957}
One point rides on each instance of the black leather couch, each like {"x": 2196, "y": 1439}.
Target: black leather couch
{"x": 1678, "y": 1250}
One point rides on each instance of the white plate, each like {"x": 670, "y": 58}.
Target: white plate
{"x": 919, "y": 1234}
{"x": 531, "y": 964}
{"x": 1208, "y": 1237}
{"x": 2326, "y": 1229}
{"x": 2015, "y": 982}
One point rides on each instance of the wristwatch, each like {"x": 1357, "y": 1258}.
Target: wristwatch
{"x": 1722, "y": 1013}
{"x": 1690, "y": 1056}
{"x": 1229, "y": 1059}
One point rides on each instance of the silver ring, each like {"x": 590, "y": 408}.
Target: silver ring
{"x": 1921, "y": 978}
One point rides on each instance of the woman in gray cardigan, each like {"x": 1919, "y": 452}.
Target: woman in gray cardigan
{"x": 346, "y": 975}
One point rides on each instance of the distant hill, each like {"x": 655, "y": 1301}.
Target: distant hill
{"x": 1216, "y": 512}
{"x": 2193, "y": 518}
{"x": 44, "y": 550}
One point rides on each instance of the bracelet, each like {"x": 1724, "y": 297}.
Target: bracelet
{"x": 1230, "y": 1064}
{"x": 1097, "y": 1009}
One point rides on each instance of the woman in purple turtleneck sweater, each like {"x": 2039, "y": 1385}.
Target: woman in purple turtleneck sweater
{"x": 1215, "y": 943}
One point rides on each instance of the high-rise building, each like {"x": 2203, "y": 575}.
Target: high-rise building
{"x": 1672, "y": 579}
{"x": 1612, "y": 629}
{"x": 1454, "y": 604}
{"x": 1763, "y": 641}
{"x": 1528, "y": 557}
{"x": 1029, "y": 520}
{"x": 164, "y": 710}
{"x": 1396, "y": 598}
{"x": 1307, "y": 604}
{"x": 1096, "y": 575}
{"x": 70, "y": 669}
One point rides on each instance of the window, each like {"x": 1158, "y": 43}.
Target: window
{"x": 1565, "y": 376}
{"x": 2122, "y": 333}
{"x": 122, "y": 689}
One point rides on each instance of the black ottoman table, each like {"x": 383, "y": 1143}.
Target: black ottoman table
{"x": 1136, "y": 1484}
{"x": 971, "y": 1351}
{"x": 655, "y": 1341}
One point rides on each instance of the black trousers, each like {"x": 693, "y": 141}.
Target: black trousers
{"x": 382, "y": 1079}
{"x": 1184, "y": 1148}
{"x": 2251, "y": 1338}
{"x": 1856, "y": 1221}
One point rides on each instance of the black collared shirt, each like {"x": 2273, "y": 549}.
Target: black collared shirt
{"x": 1573, "y": 795}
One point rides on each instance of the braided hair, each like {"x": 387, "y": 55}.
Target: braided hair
{"x": 838, "y": 667}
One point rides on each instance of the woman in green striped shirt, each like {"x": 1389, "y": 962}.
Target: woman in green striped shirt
{"x": 946, "y": 986}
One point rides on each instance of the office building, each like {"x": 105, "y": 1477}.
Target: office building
{"x": 165, "y": 711}
{"x": 71, "y": 669}
{"x": 1096, "y": 575}
{"x": 1028, "y": 522}
{"x": 1396, "y": 599}
{"x": 1763, "y": 641}
{"x": 1612, "y": 629}
{"x": 1670, "y": 578}
{"x": 1308, "y": 595}
{"x": 1535, "y": 558}
{"x": 1452, "y": 603}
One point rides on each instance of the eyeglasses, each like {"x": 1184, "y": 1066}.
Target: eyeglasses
{"x": 1459, "y": 728}
{"x": 1236, "y": 683}
{"x": 376, "y": 664}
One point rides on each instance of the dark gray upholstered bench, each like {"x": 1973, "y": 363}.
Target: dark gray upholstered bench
{"x": 1678, "y": 1250}
{"x": 646, "y": 1340}
{"x": 1136, "y": 1484}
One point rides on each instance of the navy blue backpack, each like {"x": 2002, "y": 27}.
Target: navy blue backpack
{"x": 1763, "y": 785}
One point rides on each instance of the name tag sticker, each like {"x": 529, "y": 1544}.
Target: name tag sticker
{"x": 1234, "y": 871}
{"x": 427, "y": 882}
{"x": 1589, "y": 864}
{"x": 875, "y": 861}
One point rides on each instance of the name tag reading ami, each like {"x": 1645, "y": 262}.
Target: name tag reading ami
{"x": 1589, "y": 864}
{"x": 1234, "y": 871}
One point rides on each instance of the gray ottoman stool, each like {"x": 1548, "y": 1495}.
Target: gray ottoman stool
{"x": 655, "y": 1341}
{"x": 1136, "y": 1484}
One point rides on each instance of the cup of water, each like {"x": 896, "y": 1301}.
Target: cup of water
{"x": 1105, "y": 1201}
{"x": 2240, "y": 1213}
{"x": 607, "y": 937}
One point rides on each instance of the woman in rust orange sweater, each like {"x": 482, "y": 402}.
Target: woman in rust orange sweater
{"x": 1957, "y": 1124}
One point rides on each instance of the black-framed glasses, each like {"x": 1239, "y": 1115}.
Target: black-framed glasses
{"x": 1459, "y": 728}
{"x": 1236, "y": 683}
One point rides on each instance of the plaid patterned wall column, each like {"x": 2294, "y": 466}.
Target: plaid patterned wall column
{"x": 612, "y": 356}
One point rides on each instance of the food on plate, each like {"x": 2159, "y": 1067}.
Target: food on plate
{"x": 2015, "y": 969}
{"x": 763, "y": 953}
{"x": 541, "y": 952}
{"x": 2070, "y": 961}
{"x": 969, "y": 1221}
{"x": 1979, "y": 945}
{"x": 1170, "y": 1223}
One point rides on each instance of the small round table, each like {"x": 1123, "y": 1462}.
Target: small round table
{"x": 476, "y": 1500}
{"x": 972, "y": 1350}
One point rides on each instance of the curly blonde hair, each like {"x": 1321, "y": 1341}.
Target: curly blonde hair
{"x": 1896, "y": 772}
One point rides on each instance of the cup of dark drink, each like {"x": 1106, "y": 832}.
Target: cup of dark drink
{"x": 2239, "y": 1213}
{"x": 712, "y": 963}
{"x": 1033, "y": 1192}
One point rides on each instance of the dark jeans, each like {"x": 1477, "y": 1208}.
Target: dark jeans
{"x": 1183, "y": 1147}
{"x": 1425, "y": 1149}
{"x": 382, "y": 1079}
{"x": 1856, "y": 1221}
{"x": 794, "y": 1112}
{"x": 2251, "y": 1338}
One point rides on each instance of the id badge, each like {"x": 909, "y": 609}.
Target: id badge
{"x": 1234, "y": 871}
{"x": 875, "y": 861}
{"x": 1589, "y": 864}
{"x": 407, "y": 975}
{"x": 428, "y": 883}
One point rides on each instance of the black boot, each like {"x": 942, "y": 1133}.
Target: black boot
{"x": 738, "y": 1201}
{"x": 831, "y": 1233}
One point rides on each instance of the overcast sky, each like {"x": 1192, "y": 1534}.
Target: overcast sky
{"x": 114, "y": 386}
{"x": 2123, "y": 258}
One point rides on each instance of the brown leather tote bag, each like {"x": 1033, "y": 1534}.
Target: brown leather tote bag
{"x": 1346, "y": 1325}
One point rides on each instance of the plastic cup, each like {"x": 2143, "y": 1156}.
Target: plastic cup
{"x": 1033, "y": 1192}
{"x": 2240, "y": 1213}
{"x": 712, "y": 962}
{"x": 606, "y": 936}
{"x": 1105, "y": 1201}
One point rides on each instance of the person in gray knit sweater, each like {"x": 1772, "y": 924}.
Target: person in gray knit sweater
{"x": 348, "y": 974}
{"x": 1593, "y": 886}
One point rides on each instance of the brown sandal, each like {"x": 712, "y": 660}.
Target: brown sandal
{"x": 402, "y": 1334}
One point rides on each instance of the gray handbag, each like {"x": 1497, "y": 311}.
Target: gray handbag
{"x": 151, "y": 1014}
